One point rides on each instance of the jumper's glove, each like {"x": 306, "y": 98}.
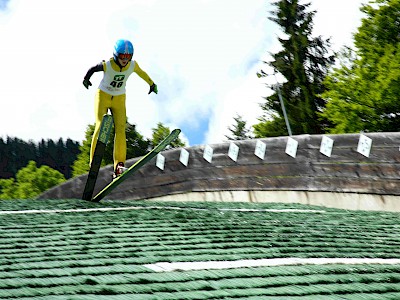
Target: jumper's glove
{"x": 153, "y": 88}
{"x": 86, "y": 83}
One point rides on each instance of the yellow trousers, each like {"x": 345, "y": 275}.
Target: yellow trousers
{"x": 116, "y": 104}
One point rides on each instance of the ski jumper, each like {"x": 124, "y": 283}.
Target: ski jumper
{"x": 111, "y": 95}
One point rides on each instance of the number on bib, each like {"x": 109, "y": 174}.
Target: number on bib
{"x": 116, "y": 84}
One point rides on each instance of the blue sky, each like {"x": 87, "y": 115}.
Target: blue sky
{"x": 3, "y": 4}
{"x": 203, "y": 55}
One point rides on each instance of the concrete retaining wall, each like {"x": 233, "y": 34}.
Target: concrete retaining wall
{"x": 346, "y": 179}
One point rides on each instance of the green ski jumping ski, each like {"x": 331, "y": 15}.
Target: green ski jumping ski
{"x": 104, "y": 134}
{"x": 136, "y": 166}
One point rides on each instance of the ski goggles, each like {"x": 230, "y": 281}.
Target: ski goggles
{"x": 123, "y": 56}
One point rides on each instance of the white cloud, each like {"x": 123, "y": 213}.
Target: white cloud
{"x": 203, "y": 54}
{"x": 337, "y": 19}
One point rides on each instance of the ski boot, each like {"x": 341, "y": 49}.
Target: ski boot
{"x": 119, "y": 169}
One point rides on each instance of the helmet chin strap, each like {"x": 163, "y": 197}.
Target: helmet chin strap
{"x": 119, "y": 65}
{"x": 116, "y": 60}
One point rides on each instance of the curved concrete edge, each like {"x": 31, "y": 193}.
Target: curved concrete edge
{"x": 349, "y": 201}
{"x": 346, "y": 179}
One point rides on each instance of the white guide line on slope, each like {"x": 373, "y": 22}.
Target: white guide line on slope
{"x": 273, "y": 262}
{"x": 52, "y": 211}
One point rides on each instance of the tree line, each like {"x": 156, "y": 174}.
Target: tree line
{"x": 16, "y": 153}
{"x": 29, "y": 168}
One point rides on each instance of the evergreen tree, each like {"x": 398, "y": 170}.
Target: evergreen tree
{"x": 160, "y": 133}
{"x": 303, "y": 62}
{"x": 239, "y": 130}
{"x": 59, "y": 156}
{"x": 16, "y": 153}
{"x": 71, "y": 152}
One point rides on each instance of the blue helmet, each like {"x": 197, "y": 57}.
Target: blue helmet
{"x": 123, "y": 47}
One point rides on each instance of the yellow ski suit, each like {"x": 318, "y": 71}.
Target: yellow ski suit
{"x": 111, "y": 95}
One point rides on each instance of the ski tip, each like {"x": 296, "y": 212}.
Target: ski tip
{"x": 176, "y": 131}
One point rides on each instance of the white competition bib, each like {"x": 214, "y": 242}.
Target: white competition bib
{"x": 114, "y": 82}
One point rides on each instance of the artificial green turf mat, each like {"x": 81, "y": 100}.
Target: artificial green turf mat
{"x": 101, "y": 254}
